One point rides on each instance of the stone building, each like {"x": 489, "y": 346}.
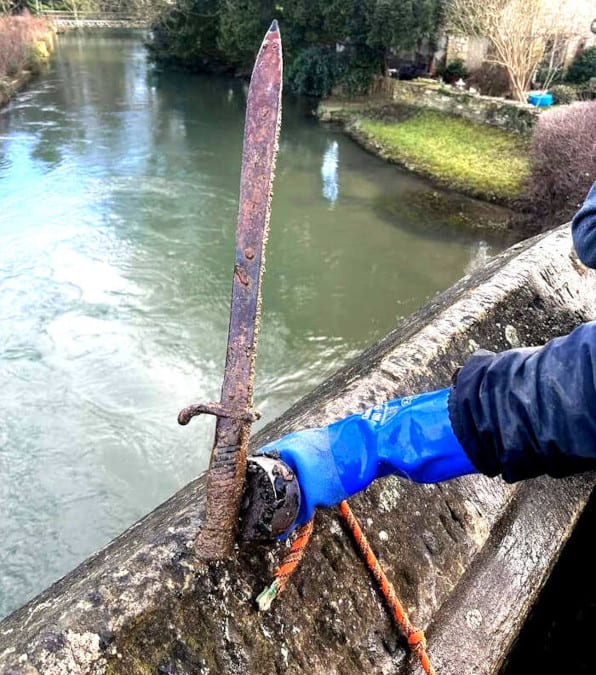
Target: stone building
{"x": 577, "y": 32}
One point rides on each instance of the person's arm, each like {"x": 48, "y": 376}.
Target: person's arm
{"x": 583, "y": 229}
{"x": 411, "y": 437}
{"x": 520, "y": 413}
{"x": 527, "y": 412}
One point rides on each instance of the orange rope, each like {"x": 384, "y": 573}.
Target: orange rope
{"x": 287, "y": 566}
{"x": 416, "y": 639}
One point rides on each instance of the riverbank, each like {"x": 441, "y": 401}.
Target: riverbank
{"x": 477, "y": 160}
{"x": 26, "y": 43}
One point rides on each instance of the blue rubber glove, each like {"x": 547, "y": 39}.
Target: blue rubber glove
{"x": 410, "y": 437}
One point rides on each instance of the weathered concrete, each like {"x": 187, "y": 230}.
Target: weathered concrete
{"x": 468, "y": 557}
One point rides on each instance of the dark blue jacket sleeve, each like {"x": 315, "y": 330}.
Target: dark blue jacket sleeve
{"x": 583, "y": 229}
{"x": 527, "y": 412}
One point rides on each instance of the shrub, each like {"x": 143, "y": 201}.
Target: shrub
{"x": 562, "y": 162}
{"x": 315, "y": 71}
{"x": 583, "y": 67}
{"x": 18, "y": 37}
{"x": 490, "y": 79}
{"x": 546, "y": 77}
{"x": 453, "y": 71}
{"x": 358, "y": 73}
{"x": 585, "y": 93}
{"x": 563, "y": 94}
{"x": 38, "y": 56}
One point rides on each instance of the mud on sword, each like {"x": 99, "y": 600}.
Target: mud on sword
{"x": 235, "y": 414}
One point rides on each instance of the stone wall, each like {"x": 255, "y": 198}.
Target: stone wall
{"x": 499, "y": 112}
{"x": 472, "y": 51}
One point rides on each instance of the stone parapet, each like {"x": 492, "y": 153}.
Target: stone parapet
{"x": 468, "y": 557}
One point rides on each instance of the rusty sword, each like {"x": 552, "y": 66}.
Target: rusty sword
{"x": 227, "y": 468}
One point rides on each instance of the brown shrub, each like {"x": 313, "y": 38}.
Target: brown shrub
{"x": 562, "y": 162}
{"x": 18, "y": 35}
{"x": 490, "y": 79}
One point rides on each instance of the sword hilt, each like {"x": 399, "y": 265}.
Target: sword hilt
{"x": 219, "y": 410}
{"x": 271, "y": 499}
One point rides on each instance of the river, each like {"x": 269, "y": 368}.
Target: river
{"x": 118, "y": 200}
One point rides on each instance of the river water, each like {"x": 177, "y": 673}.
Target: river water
{"x": 118, "y": 199}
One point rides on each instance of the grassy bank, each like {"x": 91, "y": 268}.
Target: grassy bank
{"x": 25, "y": 45}
{"x": 474, "y": 159}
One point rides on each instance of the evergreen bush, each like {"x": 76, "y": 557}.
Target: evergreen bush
{"x": 454, "y": 70}
{"x": 563, "y": 94}
{"x": 583, "y": 67}
{"x": 315, "y": 71}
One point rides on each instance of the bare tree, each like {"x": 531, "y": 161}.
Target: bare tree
{"x": 522, "y": 34}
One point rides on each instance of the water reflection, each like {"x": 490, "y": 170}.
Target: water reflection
{"x": 329, "y": 172}
{"x": 481, "y": 252}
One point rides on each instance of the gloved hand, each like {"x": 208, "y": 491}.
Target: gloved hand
{"x": 411, "y": 437}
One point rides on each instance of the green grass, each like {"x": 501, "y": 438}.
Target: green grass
{"x": 477, "y": 159}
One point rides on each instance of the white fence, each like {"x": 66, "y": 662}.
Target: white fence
{"x": 94, "y": 19}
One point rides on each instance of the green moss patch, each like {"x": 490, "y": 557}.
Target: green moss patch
{"x": 476, "y": 159}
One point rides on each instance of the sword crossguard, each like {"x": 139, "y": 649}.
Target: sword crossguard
{"x": 219, "y": 410}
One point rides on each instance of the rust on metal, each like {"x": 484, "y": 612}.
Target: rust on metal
{"x": 227, "y": 467}
{"x": 217, "y": 409}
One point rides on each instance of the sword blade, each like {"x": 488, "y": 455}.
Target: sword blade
{"x": 227, "y": 467}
